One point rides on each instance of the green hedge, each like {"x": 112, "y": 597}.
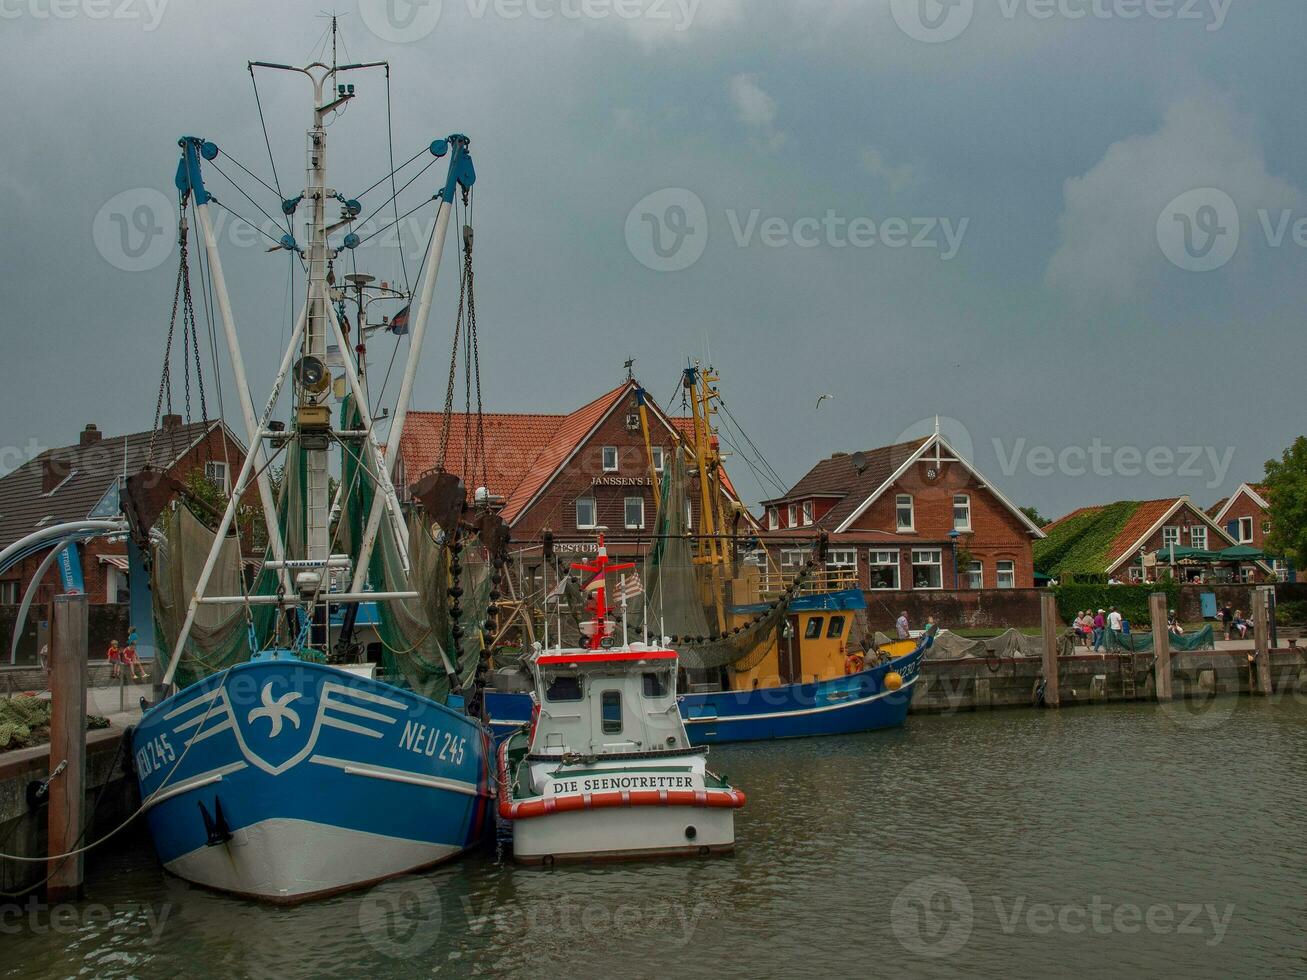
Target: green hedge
{"x": 1132, "y": 600}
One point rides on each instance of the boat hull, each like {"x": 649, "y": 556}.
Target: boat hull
{"x": 623, "y": 835}
{"x": 614, "y": 808}
{"x": 854, "y": 703}
{"x": 285, "y": 780}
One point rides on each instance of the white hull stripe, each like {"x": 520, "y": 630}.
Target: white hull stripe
{"x": 798, "y": 711}
{"x": 195, "y": 782}
{"x": 398, "y": 775}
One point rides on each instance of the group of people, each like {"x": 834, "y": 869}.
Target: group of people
{"x": 1091, "y": 628}
{"x": 123, "y": 661}
{"x": 1234, "y": 622}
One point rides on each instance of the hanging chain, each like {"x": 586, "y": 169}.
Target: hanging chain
{"x": 466, "y": 342}
{"x": 165, "y": 378}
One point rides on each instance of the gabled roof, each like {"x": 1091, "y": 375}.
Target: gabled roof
{"x": 1102, "y": 538}
{"x": 91, "y": 472}
{"x": 524, "y": 451}
{"x": 1256, "y": 492}
{"x": 859, "y": 486}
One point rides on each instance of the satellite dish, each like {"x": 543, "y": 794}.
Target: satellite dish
{"x": 859, "y": 461}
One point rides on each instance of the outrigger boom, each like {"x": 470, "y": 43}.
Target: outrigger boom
{"x": 309, "y": 336}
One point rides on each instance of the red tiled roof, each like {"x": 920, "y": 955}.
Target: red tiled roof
{"x": 1148, "y": 513}
{"x": 523, "y": 450}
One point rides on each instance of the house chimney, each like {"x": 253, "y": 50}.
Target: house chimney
{"x": 90, "y": 435}
{"x": 172, "y": 421}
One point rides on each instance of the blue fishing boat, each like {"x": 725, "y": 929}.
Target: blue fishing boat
{"x": 283, "y": 780}
{"x": 281, "y": 766}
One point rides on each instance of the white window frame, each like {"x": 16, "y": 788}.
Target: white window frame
{"x": 1240, "y": 536}
{"x": 1135, "y": 574}
{"x": 212, "y": 468}
{"x": 842, "y": 558}
{"x": 927, "y": 562}
{"x": 608, "y": 467}
{"x": 808, "y": 511}
{"x": 773, "y": 518}
{"x": 659, "y": 459}
{"x": 878, "y": 558}
{"x": 900, "y": 501}
{"x": 626, "y": 513}
{"x": 1198, "y": 533}
{"x": 976, "y": 574}
{"x": 1280, "y": 568}
{"x": 594, "y": 513}
{"x": 794, "y": 557}
{"x": 792, "y": 515}
{"x": 1008, "y": 573}
{"x": 1170, "y": 534}
{"x": 962, "y": 500}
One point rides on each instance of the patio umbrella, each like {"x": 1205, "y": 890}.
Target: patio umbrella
{"x": 1242, "y": 552}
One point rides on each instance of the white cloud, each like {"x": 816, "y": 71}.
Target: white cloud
{"x": 898, "y": 177}
{"x": 1108, "y": 227}
{"x": 756, "y": 110}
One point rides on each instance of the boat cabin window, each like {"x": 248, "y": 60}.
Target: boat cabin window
{"x": 836, "y": 628}
{"x": 813, "y": 629}
{"x": 563, "y": 687}
{"x": 610, "y": 712}
{"x": 655, "y": 685}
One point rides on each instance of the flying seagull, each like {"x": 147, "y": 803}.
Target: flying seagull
{"x": 822, "y": 398}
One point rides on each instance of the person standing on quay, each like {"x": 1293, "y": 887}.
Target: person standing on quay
{"x": 901, "y": 625}
{"x": 1100, "y": 625}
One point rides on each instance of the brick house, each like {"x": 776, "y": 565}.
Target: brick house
{"x": 912, "y": 516}
{"x": 1246, "y": 517}
{"x": 1107, "y": 539}
{"x": 1244, "y": 514}
{"x": 83, "y": 480}
{"x": 564, "y": 473}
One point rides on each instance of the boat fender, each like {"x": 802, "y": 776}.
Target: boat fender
{"x": 893, "y": 680}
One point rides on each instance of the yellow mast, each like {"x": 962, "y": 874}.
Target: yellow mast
{"x": 648, "y": 452}
{"x": 710, "y": 545}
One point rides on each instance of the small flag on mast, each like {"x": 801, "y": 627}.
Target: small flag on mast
{"x": 399, "y": 322}
{"x": 630, "y": 587}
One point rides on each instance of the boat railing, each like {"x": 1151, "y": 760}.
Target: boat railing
{"x": 773, "y": 583}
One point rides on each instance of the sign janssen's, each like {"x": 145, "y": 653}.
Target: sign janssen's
{"x": 622, "y": 481}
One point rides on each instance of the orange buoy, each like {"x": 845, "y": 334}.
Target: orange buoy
{"x": 893, "y": 680}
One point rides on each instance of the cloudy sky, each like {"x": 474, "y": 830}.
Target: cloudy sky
{"x": 1073, "y": 228}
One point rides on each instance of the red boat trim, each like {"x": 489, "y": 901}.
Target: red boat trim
{"x": 542, "y": 806}
{"x": 603, "y": 656}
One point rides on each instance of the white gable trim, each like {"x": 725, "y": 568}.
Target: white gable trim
{"x": 1253, "y": 495}
{"x": 931, "y": 443}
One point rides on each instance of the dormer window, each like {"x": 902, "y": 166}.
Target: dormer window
{"x": 792, "y": 515}
{"x": 807, "y": 512}
{"x": 609, "y": 459}
{"x": 773, "y": 518}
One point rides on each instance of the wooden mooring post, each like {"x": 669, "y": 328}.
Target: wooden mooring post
{"x": 68, "y": 649}
{"x": 1157, "y": 612}
{"x": 1262, "y": 641}
{"x": 1051, "y": 625}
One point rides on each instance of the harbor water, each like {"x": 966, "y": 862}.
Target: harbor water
{"x": 1099, "y": 841}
